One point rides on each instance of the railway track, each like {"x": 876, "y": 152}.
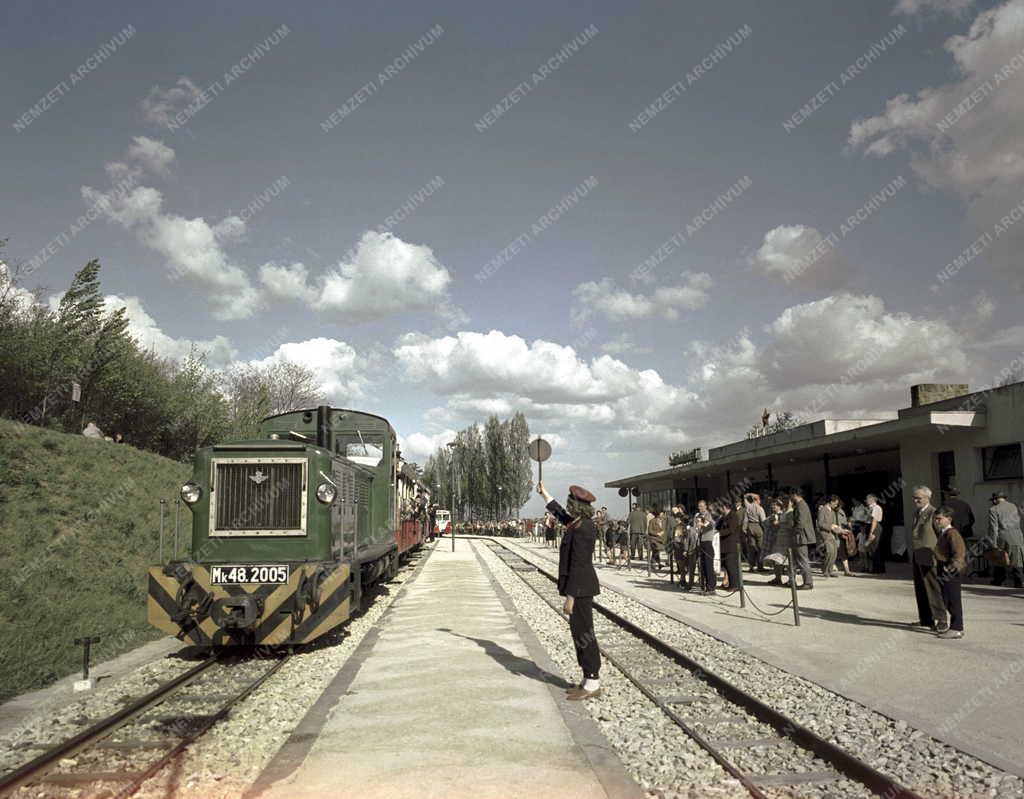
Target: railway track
{"x": 115, "y": 755}
{"x": 769, "y": 753}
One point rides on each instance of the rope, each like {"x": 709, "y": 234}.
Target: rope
{"x": 749, "y": 599}
{"x": 787, "y": 606}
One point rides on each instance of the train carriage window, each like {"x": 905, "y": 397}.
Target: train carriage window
{"x": 367, "y": 449}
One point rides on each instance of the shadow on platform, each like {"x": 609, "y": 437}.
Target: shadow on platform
{"x": 512, "y": 663}
{"x": 850, "y": 618}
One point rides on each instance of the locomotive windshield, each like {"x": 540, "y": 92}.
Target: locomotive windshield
{"x": 367, "y": 449}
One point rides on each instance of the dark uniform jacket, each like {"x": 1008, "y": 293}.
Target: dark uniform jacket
{"x": 576, "y": 575}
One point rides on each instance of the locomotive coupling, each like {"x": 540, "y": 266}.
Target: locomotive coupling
{"x": 236, "y": 612}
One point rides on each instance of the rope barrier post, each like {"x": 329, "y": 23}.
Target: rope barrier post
{"x": 177, "y": 520}
{"x": 792, "y": 588}
{"x": 163, "y": 507}
{"x": 739, "y": 576}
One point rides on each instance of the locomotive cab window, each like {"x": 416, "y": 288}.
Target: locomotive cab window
{"x": 367, "y": 449}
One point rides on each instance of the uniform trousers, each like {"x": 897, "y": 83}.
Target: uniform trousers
{"x": 930, "y": 607}
{"x": 707, "y": 565}
{"x": 581, "y": 625}
{"x": 636, "y": 545}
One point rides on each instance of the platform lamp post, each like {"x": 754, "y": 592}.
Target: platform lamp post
{"x": 451, "y": 505}
{"x": 497, "y": 511}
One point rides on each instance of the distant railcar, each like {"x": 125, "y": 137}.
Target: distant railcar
{"x": 288, "y": 531}
{"x": 442, "y": 522}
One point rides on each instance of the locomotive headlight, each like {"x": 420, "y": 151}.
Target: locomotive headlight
{"x": 190, "y": 492}
{"x": 326, "y": 493}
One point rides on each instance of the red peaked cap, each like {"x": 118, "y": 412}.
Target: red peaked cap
{"x": 581, "y": 494}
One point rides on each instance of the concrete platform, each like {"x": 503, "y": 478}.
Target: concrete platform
{"x": 856, "y": 638}
{"x": 448, "y": 697}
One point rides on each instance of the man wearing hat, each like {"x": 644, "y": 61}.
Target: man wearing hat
{"x": 1004, "y": 533}
{"x": 577, "y": 582}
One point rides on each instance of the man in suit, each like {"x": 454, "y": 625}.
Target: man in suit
{"x": 577, "y": 582}
{"x": 637, "y": 523}
{"x": 730, "y": 528}
{"x": 963, "y": 515}
{"x": 828, "y": 528}
{"x": 1004, "y": 533}
{"x": 931, "y": 610}
{"x": 803, "y": 536}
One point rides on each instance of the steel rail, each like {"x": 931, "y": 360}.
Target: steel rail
{"x": 25, "y": 773}
{"x": 208, "y": 722}
{"x": 844, "y": 762}
{"x": 37, "y": 769}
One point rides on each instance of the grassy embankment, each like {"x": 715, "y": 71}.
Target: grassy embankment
{"x": 79, "y": 524}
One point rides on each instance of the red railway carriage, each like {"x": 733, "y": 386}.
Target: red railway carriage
{"x": 411, "y": 501}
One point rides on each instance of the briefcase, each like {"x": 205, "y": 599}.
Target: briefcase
{"x": 998, "y": 557}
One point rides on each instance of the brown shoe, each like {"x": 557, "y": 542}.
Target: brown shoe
{"x": 581, "y": 694}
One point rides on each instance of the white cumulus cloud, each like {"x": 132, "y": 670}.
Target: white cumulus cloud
{"x": 605, "y": 298}
{"x": 967, "y": 136}
{"x": 145, "y": 330}
{"x": 911, "y": 7}
{"x": 192, "y": 248}
{"x": 161, "y": 104}
{"x": 801, "y": 254}
{"x": 342, "y": 373}
{"x": 385, "y": 275}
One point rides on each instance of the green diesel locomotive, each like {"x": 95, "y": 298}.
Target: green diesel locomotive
{"x": 288, "y": 531}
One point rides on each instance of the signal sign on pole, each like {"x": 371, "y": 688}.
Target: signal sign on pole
{"x": 540, "y": 451}
{"x": 76, "y": 392}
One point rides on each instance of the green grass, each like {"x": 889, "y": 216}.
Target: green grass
{"x": 79, "y": 524}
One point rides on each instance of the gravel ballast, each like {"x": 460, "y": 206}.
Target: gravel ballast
{"x": 657, "y": 754}
{"x": 229, "y": 757}
{"x": 891, "y": 746}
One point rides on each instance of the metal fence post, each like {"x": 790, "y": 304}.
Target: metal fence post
{"x": 163, "y": 507}
{"x": 739, "y": 575}
{"x": 177, "y": 514}
{"x": 792, "y": 587}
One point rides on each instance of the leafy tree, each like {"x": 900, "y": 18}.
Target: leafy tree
{"x": 198, "y": 412}
{"x": 521, "y": 471}
{"x": 253, "y": 392}
{"x": 783, "y": 421}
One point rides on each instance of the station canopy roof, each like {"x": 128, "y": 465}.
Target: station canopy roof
{"x": 834, "y": 437}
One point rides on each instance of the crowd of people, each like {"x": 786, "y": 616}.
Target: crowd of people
{"x": 710, "y": 543}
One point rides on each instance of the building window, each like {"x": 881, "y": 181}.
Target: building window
{"x": 1002, "y": 462}
{"x": 663, "y": 499}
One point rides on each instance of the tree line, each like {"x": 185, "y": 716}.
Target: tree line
{"x": 492, "y": 473}
{"x": 167, "y": 406}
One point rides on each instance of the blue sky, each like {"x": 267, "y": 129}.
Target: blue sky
{"x": 618, "y": 371}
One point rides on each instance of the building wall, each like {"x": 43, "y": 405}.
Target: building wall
{"x": 1004, "y": 424}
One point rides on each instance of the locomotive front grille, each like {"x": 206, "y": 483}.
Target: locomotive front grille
{"x": 258, "y": 496}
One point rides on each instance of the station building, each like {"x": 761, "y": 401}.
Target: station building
{"x": 948, "y": 436}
